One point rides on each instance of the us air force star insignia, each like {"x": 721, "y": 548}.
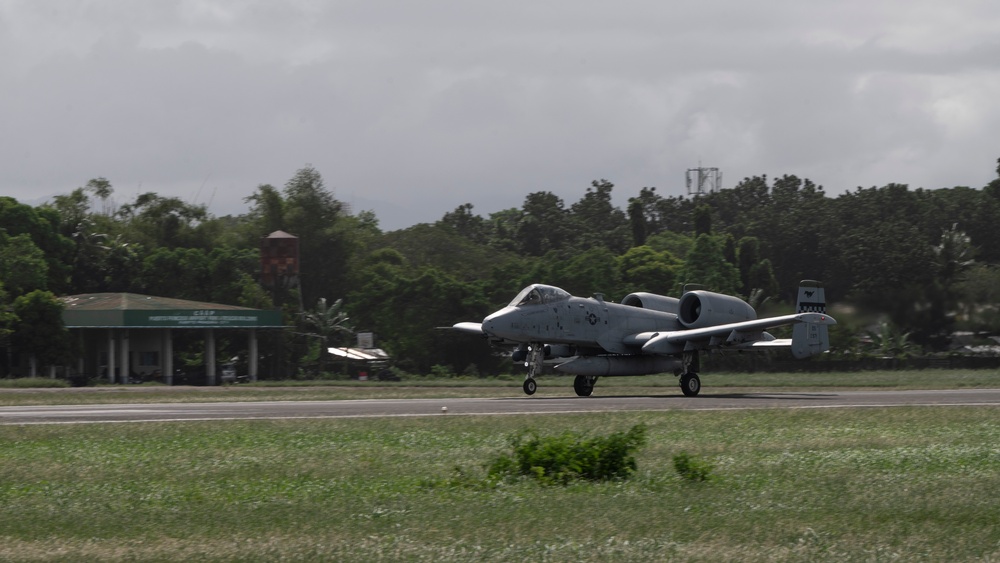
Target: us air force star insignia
{"x": 592, "y": 318}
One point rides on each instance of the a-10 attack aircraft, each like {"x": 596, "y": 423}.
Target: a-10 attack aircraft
{"x": 644, "y": 334}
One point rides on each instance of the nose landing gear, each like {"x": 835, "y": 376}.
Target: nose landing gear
{"x": 536, "y": 354}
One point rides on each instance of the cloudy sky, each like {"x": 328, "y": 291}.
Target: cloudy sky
{"x": 412, "y": 108}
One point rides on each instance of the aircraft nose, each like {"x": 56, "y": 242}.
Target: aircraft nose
{"x": 499, "y": 323}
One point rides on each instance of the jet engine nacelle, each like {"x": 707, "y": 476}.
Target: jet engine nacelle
{"x": 652, "y": 301}
{"x": 699, "y": 309}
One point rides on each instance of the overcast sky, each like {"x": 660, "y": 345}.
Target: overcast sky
{"x": 412, "y": 108}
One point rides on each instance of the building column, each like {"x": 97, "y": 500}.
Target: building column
{"x": 167, "y": 363}
{"x": 111, "y": 355}
{"x": 210, "y": 356}
{"x": 123, "y": 358}
{"x": 81, "y": 366}
{"x": 252, "y": 354}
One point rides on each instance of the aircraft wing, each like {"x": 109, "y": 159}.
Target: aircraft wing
{"x": 741, "y": 334}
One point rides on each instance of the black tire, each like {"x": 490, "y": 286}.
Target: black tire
{"x": 583, "y": 386}
{"x": 690, "y": 384}
{"x": 530, "y": 386}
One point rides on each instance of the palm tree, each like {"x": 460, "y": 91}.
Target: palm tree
{"x": 326, "y": 321}
{"x": 890, "y": 342}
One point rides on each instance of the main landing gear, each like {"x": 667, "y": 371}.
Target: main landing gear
{"x": 690, "y": 384}
{"x": 584, "y": 385}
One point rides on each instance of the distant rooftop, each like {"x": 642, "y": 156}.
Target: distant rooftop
{"x": 132, "y": 310}
{"x": 135, "y": 301}
{"x": 280, "y": 234}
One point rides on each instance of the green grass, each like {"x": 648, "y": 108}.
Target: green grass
{"x": 549, "y": 385}
{"x": 901, "y": 484}
{"x": 33, "y": 383}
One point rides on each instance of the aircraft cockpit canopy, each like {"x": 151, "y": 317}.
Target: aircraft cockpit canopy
{"x": 539, "y": 294}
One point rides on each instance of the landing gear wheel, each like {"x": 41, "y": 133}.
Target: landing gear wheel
{"x": 690, "y": 384}
{"x": 583, "y": 385}
{"x": 530, "y": 386}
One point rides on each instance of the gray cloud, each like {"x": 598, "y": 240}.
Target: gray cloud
{"x": 411, "y": 109}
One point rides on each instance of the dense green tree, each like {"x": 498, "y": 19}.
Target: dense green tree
{"x": 646, "y": 269}
{"x": 978, "y": 295}
{"x": 181, "y": 273}
{"x": 405, "y": 311}
{"x": 42, "y": 226}
{"x": 702, "y": 220}
{"x": 267, "y": 211}
{"x": 798, "y": 218}
{"x": 544, "y": 224}
{"x": 645, "y": 214}
{"x": 121, "y": 268}
{"x": 595, "y": 221}
{"x": 39, "y": 332}
{"x": 592, "y": 271}
{"x": 742, "y": 209}
{"x": 749, "y": 256}
{"x": 706, "y": 265}
{"x": 232, "y": 277}
{"x": 503, "y": 227}
{"x": 23, "y": 267}
{"x": 637, "y": 222}
{"x": 467, "y": 224}
{"x": 891, "y": 250}
{"x": 440, "y": 247}
{"x": 313, "y": 214}
{"x": 661, "y": 214}
{"x": 761, "y": 279}
{"x": 677, "y": 244}
{"x": 102, "y": 190}
{"x": 156, "y": 221}
{"x": 8, "y": 323}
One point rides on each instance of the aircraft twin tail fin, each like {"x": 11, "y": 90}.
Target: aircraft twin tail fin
{"x": 809, "y": 339}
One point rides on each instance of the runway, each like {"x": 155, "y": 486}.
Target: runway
{"x": 274, "y": 410}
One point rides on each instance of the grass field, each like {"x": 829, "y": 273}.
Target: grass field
{"x": 900, "y": 484}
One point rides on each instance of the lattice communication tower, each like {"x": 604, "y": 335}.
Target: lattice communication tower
{"x": 701, "y": 181}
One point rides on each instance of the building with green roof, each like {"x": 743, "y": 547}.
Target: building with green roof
{"x": 136, "y": 332}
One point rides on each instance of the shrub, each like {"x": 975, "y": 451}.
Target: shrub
{"x": 569, "y": 456}
{"x": 692, "y": 467}
{"x": 439, "y": 371}
{"x": 33, "y": 383}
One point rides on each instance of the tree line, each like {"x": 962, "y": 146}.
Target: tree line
{"x": 917, "y": 264}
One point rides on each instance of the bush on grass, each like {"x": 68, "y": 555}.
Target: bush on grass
{"x": 569, "y": 456}
{"x": 692, "y": 468}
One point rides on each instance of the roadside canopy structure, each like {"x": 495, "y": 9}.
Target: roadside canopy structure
{"x": 123, "y": 334}
{"x": 368, "y": 360}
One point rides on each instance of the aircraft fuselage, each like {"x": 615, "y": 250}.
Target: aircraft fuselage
{"x": 578, "y": 321}
{"x": 645, "y": 333}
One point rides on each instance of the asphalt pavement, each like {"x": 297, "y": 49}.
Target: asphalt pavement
{"x": 78, "y": 414}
